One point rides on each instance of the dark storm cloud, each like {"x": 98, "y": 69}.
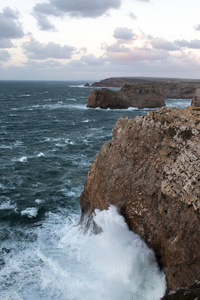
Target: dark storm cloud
{"x": 123, "y": 33}
{"x": 36, "y": 50}
{"x": 193, "y": 44}
{"x": 4, "y": 55}
{"x": 10, "y": 28}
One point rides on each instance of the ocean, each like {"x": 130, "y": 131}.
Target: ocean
{"x": 48, "y": 140}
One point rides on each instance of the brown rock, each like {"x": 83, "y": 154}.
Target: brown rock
{"x": 151, "y": 172}
{"x": 196, "y": 99}
{"x": 172, "y": 88}
{"x": 130, "y": 95}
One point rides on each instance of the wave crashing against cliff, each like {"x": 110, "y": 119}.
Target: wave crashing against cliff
{"x": 126, "y": 266}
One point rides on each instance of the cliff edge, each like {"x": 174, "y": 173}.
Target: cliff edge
{"x": 151, "y": 172}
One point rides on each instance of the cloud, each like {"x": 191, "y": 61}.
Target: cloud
{"x": 139, "y": 54}
{"x": 123, "y": 33}
{"x": 89, "y": 60}
{"x": 132, "y": 16}
{"x": 197, "y": 27}
{"x": 73, "y": 8}
{"x": 160, "y": 43}
{"x": 193, "y": 44}
{"x": 10, "y": 28}
{"x": 41, "y": 11}
{"x": 116, "y": 47}
{"x": 85, "y": 8}
{"x": 36, "y": 50}
{"x": 4, "y": 55}
{"x": 43, "y": 22}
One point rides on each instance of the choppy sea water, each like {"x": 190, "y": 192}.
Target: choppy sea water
{"x": 48, "y": 140}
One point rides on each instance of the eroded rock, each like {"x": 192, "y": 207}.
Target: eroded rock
{"x": 151, "y": 172}
{"x": 196, "y": 99}
{"x": 139, "y": 95}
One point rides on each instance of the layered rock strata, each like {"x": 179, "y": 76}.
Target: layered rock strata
{"x": 151, "y": 172}
{"x": 141, "y": 96}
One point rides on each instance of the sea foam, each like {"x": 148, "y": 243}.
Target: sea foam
{"x": 66, "y": 262}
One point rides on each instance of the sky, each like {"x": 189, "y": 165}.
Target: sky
{"x": 95, "y": 39}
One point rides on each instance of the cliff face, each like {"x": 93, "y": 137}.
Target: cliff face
{"x": 196, "y": 99}
{"x": 172, "y": 88}
{"x": 130, "y": 95}
{"x": 151, "y": 172}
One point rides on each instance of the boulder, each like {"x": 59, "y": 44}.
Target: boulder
{"x": 130, "y": 95}
{"x": 151, "y": 172}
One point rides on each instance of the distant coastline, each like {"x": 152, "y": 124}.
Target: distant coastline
{"x": 174, "y": 88}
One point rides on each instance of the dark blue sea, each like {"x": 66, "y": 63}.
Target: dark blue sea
{"x": 48, "y": 140}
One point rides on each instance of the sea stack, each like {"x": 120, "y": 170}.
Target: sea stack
{"x": 151, "y": 172}
{"x": 130, "y": 95}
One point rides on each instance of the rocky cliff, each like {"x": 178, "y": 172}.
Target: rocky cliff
{"x": 196, "y": 99}
{"x": 130, "y": 95}
{"x": 172, "y": 88}
{"x": 151, "y": 172}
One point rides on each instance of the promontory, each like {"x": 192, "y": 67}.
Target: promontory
{"x": 151, "y": 172}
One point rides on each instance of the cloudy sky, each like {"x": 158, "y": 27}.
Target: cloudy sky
{"x": 95, "y": 39}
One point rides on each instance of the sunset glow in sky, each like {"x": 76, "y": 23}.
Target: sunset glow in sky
{"x": 95, "y": 39}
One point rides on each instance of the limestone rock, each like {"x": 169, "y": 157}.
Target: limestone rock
{"x": 196, "y": 99}
{"x": 139, "y": 95}
{"x": 151, "y": 172}
{"x": 172, "y": 88}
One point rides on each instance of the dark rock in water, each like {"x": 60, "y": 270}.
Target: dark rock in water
{"x": 185, "y": 293}
{"x": 151, "y": 172}
{"x": 87, "y": 84}
{"x": 139, "y": 95}
{"x": 196, "y": 99}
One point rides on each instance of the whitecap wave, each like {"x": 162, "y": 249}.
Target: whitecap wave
{"x": 30, "y": 212}
{"x": 7, "y": 205}
{"x": 65, "y": 262}
{"x": 23, "y": 159}
{"x": 77, "y": 86}
{"x": 41, "y": 154}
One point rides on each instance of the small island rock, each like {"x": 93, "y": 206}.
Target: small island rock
{"x": 130, "y": 95}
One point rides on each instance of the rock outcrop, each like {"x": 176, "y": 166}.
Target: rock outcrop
{"x": 151, "y": 172}
{"x": 141, "y": 96}
{"x": 172, "y": 88}
{"x": 196, "y": 99}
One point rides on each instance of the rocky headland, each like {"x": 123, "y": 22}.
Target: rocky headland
{"x": 151, "y": 172}
{"x": 172, "y": 88}
{"x": 130, "y": 95}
